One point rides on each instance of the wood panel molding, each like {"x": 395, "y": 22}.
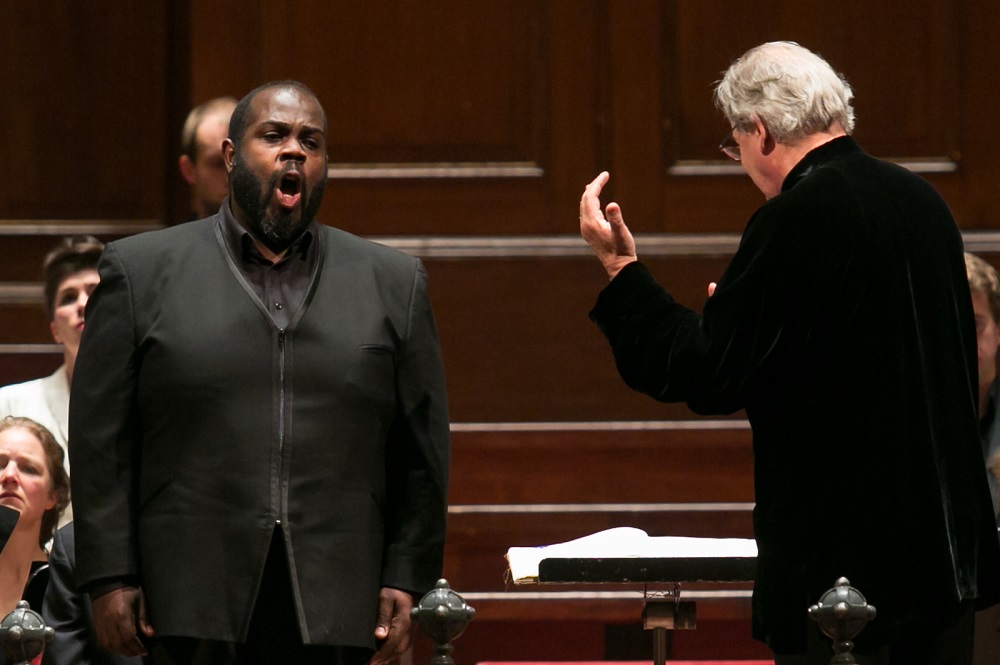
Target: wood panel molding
{"x": 432, "y": 170}
{"x": 69, "y": 227}
{"x": 696, "y": 167}
{"x": 922, "y": 46}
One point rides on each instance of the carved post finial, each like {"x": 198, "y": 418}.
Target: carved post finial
{"x": 23, "y": 634}
{"x": 842, "y": 613}
{"x": 443, "y": 615}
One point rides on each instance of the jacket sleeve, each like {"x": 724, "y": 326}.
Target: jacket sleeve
{"x": 104, "y": 431}
{"x": 67, "y": 612}
{"x": 417, "y": 455}
{"x": 63, "y": 610}
{"x": 713, "y": 361}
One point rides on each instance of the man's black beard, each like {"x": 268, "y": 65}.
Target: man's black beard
{"x": 252, "y": 197}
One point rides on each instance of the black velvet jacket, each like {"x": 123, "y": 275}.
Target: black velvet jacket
{"x": 844, "y": 327}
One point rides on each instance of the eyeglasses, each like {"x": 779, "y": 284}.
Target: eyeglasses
{"x": 729, "y": 147}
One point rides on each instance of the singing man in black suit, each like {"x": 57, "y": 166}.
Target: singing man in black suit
{"x": 259, "y": 418}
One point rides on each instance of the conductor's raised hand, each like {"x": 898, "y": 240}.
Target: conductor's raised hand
{"x": 609, "y": 238}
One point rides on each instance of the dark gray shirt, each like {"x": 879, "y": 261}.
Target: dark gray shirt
{"x": 281, "y": 287}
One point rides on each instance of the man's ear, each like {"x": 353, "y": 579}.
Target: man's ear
{"x": 228, "y": 154}
{"x": 764, "y": 136}
{"x": 186, "y": 167}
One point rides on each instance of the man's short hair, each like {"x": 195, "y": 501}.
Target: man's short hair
{"x": 189, "y": 133}
{"x": 984, "y": 279}
{"x": 793, "y": 91}
{"x": 71, "y": 256}
{"x": 240, "y": 119}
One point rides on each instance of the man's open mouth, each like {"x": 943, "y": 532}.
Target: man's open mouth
{"x": 289, "y": 189}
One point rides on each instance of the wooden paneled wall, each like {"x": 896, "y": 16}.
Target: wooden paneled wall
{"x": 464, "y": 132}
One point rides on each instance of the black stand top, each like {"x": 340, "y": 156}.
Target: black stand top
{"x": 644, "y": 570}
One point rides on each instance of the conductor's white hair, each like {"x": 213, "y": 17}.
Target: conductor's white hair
{"x": 793, "y": 91}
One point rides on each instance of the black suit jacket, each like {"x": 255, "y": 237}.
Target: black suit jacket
{"x": 844, "y": 327}
{"x": 199, "y": 425}
{"x": 67, "y": 611}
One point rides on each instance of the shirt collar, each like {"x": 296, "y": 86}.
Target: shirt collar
{"x": 818, "y": 157}
{"x": 241, "y": 242}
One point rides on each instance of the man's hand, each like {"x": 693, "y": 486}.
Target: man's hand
{"x": 393, "y": 628}
{"x": 609, "y": 238}
{"x": 119, "y": 618}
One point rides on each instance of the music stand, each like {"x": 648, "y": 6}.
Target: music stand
{"x": 8, "y": 520}
{"x": 660, "y": 613}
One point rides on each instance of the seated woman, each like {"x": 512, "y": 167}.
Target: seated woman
{"x": 34, "y": 483}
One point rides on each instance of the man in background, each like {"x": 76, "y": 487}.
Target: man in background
{"x": 201, "y": 164}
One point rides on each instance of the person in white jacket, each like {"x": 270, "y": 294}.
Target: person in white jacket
{"x": 70, "y": 271}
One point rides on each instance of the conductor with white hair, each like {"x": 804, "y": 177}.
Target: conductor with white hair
{"x": 844, "y": 327}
